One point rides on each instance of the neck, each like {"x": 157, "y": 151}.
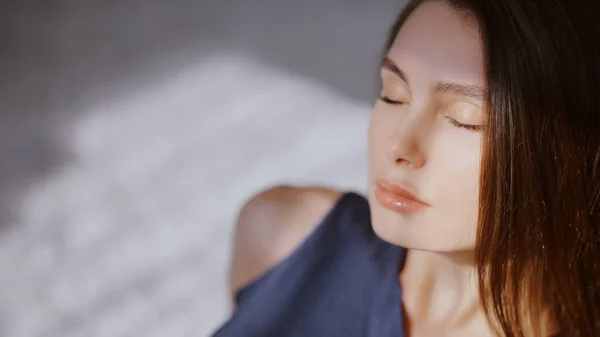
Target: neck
{"x": 441, "y": 290}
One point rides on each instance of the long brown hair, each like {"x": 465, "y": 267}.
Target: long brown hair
{"x": 538, "y": 243}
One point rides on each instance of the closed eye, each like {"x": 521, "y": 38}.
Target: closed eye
{"x": 470, "y": 127}
{"x": 387, "y": 100}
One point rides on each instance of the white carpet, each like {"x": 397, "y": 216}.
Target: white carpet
{"x": 132, "y": 237}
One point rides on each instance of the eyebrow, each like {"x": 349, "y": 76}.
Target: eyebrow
{"x": 467, "y": 90}
{"x": 391, "y": 66}
{"x": 472, "y": 91}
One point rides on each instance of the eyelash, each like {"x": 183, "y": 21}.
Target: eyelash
{"x": 469, "y": 127}
{"x": 454, "y": 122}
{"x": 389, "y": 101}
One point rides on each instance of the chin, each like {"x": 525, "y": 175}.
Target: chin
{"x": 392, "y": 227}
{"x": 400, "y": 229}
{"x": 414, "y": 231}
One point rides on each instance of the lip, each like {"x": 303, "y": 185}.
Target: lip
{"x": 397, "y": 198}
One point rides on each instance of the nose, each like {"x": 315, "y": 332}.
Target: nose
{"x": 405, "y": 145}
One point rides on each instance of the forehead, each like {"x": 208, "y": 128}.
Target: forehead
{"x": 439, "y": 43}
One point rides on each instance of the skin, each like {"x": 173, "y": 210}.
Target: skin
{"x": 418, "y": 143}
{"x": 415, "y": 142}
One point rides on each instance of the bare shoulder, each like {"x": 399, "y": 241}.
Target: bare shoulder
{"x": 272, "y": 224}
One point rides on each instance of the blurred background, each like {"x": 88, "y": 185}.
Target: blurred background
{"x": 132, "y": 131}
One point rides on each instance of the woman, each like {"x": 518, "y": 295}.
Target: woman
{"x": 483, "y": 208}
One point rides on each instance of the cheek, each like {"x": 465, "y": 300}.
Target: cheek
{"x": 456, "y": 168}
{"x": 381, "y": 126}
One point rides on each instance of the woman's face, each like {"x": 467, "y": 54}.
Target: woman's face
{"x": 424, "y": 134}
